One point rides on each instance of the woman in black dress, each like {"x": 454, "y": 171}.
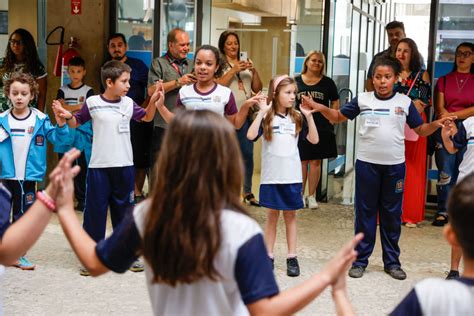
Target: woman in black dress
{"x": 313, "y": 83}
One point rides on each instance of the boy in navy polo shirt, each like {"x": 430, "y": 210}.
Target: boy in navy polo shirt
{"x": 380, "y": 165}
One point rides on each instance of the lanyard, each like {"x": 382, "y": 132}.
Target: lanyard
{"x": 173, "y": 64}
{"x": 240, "y": 81}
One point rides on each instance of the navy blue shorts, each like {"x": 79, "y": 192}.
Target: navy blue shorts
{"x": 285, "y": 197}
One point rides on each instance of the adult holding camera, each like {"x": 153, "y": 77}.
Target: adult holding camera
{"x": 243, "y": 79}
{"x": 175, "y": 69}
{"x": 313, "y": 83}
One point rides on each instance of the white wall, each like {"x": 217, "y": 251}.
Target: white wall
{"x": 220, "y": 21}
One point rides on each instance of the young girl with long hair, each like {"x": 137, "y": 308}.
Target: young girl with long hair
{"x": 281, "y": 177}
{"x": 204, "y": 255}
{"x": 206, "y": 94}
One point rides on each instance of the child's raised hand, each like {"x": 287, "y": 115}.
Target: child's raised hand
{"x": 158, "y": 97}
{"x": 256, "y": 99}
{"x": 449, "y": 129}
{"x": 65, "y": 183}
{"x": 306, "y": 110}
{"x": 263, "y": 106}
{"x": 309, "y": 103}
{"x": 59, "y": 111}
{"x": 63, "y": 167}
{"x": 342, "y": 261}
{"x": 444, "y": 120}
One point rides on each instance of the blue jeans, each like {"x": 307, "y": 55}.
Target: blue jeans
{"x": 448, "y": 170}
{"x": 246, "y": 147}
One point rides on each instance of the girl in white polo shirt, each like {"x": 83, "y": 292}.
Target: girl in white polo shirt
{"x": 380, "y": 165}
{"x": 281, "y": 177}
{"x": 206, "y": 94}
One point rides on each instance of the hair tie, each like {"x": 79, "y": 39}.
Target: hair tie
{"x": 277, "y": 81}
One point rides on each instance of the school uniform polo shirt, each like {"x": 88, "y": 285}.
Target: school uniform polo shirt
{"x": 438, "y": 297}
{"x": 219, "y": 99}
{"x": 111, "y": 127}
{"x": 382, "y": 126}
{"x": 242, "y": 262}
{"x": 281, "y": 162}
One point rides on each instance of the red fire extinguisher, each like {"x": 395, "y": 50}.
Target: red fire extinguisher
{"x": 62, "y": 59}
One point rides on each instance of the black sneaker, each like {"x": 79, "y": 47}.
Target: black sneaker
{"x": 356, "y": 272}
{"x": 396, "y": 273}
{"x": 292, "y": 267}
{"x": 440, "y": 221}
{"x": 452, "y": 275}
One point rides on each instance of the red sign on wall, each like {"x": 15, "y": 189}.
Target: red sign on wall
{"x": 76, "y": 7}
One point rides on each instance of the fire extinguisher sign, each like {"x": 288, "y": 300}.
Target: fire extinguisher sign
{"x": 76, "y": 7}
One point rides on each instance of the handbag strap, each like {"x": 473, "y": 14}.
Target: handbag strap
{"x": 413, "y": 83}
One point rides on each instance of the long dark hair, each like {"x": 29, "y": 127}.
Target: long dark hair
{"x": 219, "y": 61}
{"x": 32, "y": 61}
{"x": 183, "y": 231}
{"x": 463, "y": 44}
{"x": 223, "y": 38}
{"x": 416, "y": 60}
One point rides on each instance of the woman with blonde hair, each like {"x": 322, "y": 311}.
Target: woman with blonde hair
{"x": 313, "y": 83}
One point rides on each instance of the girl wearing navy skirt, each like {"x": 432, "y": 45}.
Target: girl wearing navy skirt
{"x": 281, "y": 178}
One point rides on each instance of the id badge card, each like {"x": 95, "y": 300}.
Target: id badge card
{"x": 288, "y": 128}
{"x": 372, "y": 121}
{"x": 124, "y": 126}
{"x": 241, "y": 85}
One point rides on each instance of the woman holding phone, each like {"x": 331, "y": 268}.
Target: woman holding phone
{"x": 243, "y": 79}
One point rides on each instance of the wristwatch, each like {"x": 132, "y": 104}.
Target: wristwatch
{"x": 177, "y": 83}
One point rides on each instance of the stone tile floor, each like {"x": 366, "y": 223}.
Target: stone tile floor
{"x": 56, "y": 288}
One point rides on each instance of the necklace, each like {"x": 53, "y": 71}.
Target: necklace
{"x": 461, "y": 83}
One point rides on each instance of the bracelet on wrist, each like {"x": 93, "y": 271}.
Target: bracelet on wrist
{"x": 69, "y": 118}
{"x": 44, "y": 198}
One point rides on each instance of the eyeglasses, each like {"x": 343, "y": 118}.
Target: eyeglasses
{"x": 15, "y": 42}
{"x": 463, "y": 54}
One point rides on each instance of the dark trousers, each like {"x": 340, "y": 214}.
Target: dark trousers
{"x": 106, "y": 187}
{"x": 23, "y": 195}
{"x": 80, "y": 179}
{"x": 379, "y": 190}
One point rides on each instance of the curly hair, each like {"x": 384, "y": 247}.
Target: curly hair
{"x": 296, "y": 116}
{"x": 22, "y": 78}
{"x": 32, "y": 61}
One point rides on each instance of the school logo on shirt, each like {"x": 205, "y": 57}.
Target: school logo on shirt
{"x": 216, "y": 98}
{"x": 29, "y": 198}
{"x": 398, "y": 110}
{"x": 30, "y": 130}
{"x": 81, "y": 99}
{"x": 39, "y": 140}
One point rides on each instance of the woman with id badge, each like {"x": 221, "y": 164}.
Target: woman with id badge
{"x": 281, "y": 177}
{"x": 243, "y": 80}
{"x": 380, "y": 165}
{"x": 111, "y": 175}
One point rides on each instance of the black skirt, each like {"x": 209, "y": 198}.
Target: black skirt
{"x": 325, "y": 148}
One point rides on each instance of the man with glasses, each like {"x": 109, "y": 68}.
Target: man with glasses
{"x": 175, "y": 69}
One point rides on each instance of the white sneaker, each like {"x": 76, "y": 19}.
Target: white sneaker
{"x": 312, "y": 204}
